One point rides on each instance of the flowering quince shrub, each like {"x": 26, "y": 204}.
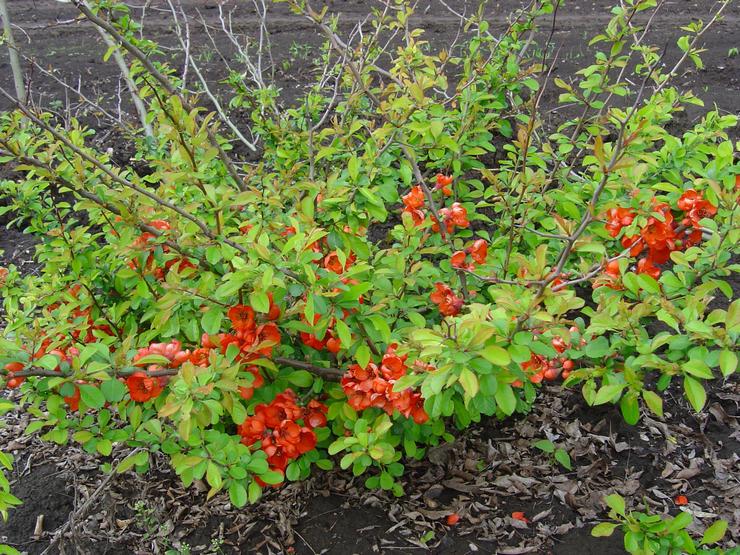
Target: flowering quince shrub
{"x": 410, "y": 255}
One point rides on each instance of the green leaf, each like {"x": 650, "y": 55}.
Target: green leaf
{"x": 505, "y": 398}
{"x": 469, "y": 383}
{"x": 562, "y": 456}
{"x": 436, "y": 127}
{"x": 695, "y": 393}
{"x": 258, "y": 466}
{"x": 649, "y": 284}
{"x": 113, "y": 390}
{"x": 698, "y": 368}
{"x": 237, "y": 494}
{"x": 545, "y": 445}
{"x": 353, "y": 168}
{"x": 272, "y": 477}
{"x": 607, "y": 393}
{"x": 211, "y": 321}
{"x": 653, "y": 401}
{"x": 616, "y": 503}
{"x": 727, "y": 362}
{"x": 417, "y": 319}
{"x": 362, "y": 355}
{"x": 345, "y": 335}
{"x": 135, "y": 459}
{"x": 255, "y": 492}
{"x": 259, "y": 301}
{"x": 104, "y": 447}
{"x": 715, "y": 532}
{"x": 48, "y": 362}
{"x": 213, "y": 476}
{"x": 300, "y": 378}
{"x": 597, "y": 348}
{"x": 381, "y": 325}
{"x": 293, "y": 472}
{"x": 604, "y": 529}
{"x": 630, "y": 408}
{"x": 91, "y": 396}
{"x": 679, "y": 522}
{"x": 153, "y": 359}
{"x": 496, "y": 355}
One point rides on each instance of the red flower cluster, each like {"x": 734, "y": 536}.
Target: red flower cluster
{"x": 540, "y": 368}
{"x": 455, "y": 215}
{"x": 443, "y": 184}
{"x": 332, "y": 263}
{"x": 252, "y": 339}
{"x": 258, "y": 381}
{"x": 11, "y": 381}
{"x": 478, "y": 251}
{"x": 328, "y": 341}
{"x": 617, "y": 219}
{"x": 449, "y": 303}
{"x": 89, "y": 326}
{"x": 141, "y": 386}
{"x": 73, "y": 401}
{"x": 278, "y": 429}
{"x": 373, "y": 387}
{"x": 696, "y": 208}
{"x": 413, "y": 201}
{"x": 171, "y": 351}
{"x": 142, "y": 242}
{"x": 64, "y": 354}
{"x": 662, "y": 233}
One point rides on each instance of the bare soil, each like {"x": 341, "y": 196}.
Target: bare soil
{"x": 490, "y": 471}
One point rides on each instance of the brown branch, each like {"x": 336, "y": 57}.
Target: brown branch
{"x": 331, "y": 374}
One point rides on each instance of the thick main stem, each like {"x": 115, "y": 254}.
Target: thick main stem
{"x": 15, "y": 62}
{"x": 126, "y": 73}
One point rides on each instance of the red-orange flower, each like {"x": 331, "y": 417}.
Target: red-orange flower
{"x": 696, "y": 207}
{"x": 274, "y": 312}
{"x": 73, "y": 401}
{"x": 617, "y": 219}
{"x": 417, "y": 216}
{"x": 634, "y": 243}
{"x": 479, "y": 251}
{"x": 373, "y": 387}
{"x": 414, "y": 199}
{"x": 258, "y": 381}
{"x": 142, "y": 387}
{"x": 449, "y": 303}
{"x": 458, "y": 261}
{"x": 443, "y": 184}
{"x": 242, "y": 317}
{"x": 275, "y": 427}
{"x": 646, "y": 266}
{"x": 333, "y": 264}
{"x": 315, "y": 414}
{"x": 612, "y": 269}
{"x": 172, "y": 351}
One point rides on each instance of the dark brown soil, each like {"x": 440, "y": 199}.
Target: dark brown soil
{"x": 490, "y": 471}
